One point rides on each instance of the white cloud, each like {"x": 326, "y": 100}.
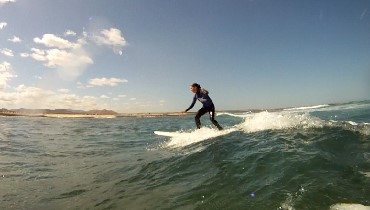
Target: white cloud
{"x": 70, "y": 64}
{"x": 24, "y": 55}
{"x": 26, "y": 97}
{"x": 63, "y": 90}
{"x": 62, "y": 58}
{"x": 5, "y": 1}
{"x": 50, "y": 40}
{"x": 111, "y": 38}
{"x": 7, "y": 52}
{"x": 35, "y": 97}
{"x": 38, "y": 51}
{"x": 80, "y": 85}
{"x": 5, "y": 74}
{"x": 132, "y": 99}
{"x": 104, "y": 96}
{"x": 32, "y": 94}
{"x": 70, "y": 33}
{"x": 37, "y": 54}
{"x": 106, "y": 81}
{"x": 89, "y": 97}
{"x": 15, "y": 39}
{"x": 7, "y": 98}
{"x": 71, "y": 58}
{"x": 122, "y": 96}
{"x": 2, "y": 24}
{"x": 72, "y": 101}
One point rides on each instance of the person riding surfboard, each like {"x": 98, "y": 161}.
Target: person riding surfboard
{"x": 201, "y": 94}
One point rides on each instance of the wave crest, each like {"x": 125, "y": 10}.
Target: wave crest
{"x": 278, "y": 120}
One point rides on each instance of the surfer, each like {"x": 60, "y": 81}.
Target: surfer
{"x": 208, "y": 106}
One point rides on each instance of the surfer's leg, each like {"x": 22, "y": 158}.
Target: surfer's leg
{"x": 201, "y": 112}
{"x": 212, "y": 117}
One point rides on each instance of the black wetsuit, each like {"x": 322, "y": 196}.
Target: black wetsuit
{"x": 208, "y": 106}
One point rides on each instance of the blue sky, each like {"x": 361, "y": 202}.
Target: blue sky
{"x": 141, "y": 56}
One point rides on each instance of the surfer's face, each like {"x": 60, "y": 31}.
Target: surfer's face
{"x": 193, "y": 89}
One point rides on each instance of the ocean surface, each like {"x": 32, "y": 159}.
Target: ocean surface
{"x": 299, "y": 158}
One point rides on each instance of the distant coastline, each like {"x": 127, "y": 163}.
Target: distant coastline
{"x": 104, "y": 113}
{"x": 68, "y": 113}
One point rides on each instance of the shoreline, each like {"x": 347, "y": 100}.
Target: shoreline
{"x": 106, "y": 116}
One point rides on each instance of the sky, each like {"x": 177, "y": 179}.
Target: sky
{"x": 135, "y": 56}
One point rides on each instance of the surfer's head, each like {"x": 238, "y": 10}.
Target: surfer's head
{"x": 195, "y": 87}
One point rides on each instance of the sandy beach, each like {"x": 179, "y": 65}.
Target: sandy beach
{"x": 78, "y": 116}
{"x": 95, "y": 115}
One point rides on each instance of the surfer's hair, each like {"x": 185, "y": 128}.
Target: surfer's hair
{"x": 196, "y": 85}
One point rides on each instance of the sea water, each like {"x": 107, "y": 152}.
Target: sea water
{"x": 299, "y": 158}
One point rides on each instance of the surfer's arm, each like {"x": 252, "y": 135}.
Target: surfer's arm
{"x": 192, "y": 104}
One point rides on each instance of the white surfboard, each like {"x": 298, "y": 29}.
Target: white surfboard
{"x": 183, "y": 138}
{"x": 169, "y": 134}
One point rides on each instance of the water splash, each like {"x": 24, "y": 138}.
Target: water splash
{"x": 278, "y": 120}
{"x": 349, "y": 206}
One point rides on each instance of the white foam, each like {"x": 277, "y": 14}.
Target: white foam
{"x": 242, "y": 115}
{"x": 254, "y": 122}
{"x": 307, "y": 107}
{"x": 352, "y": 123}
{"x": 346, "y": 107}
{"x": 362, "y": 128}
{"x": 288, "y": 203}
{"x": 278, "y": 120}
{"x": 349, "y": 206}
{"x": 366, "y": 174}
{"x": 181, "y": 138}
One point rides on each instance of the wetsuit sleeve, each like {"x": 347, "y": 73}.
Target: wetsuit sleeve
{"x": 192, "y": 104}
